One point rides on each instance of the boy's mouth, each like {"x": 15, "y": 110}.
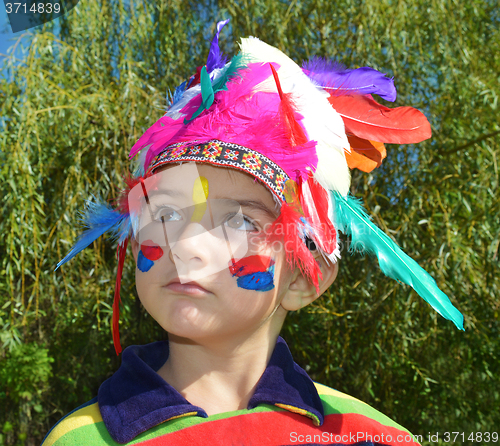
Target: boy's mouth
{"x": 190, "y": 288}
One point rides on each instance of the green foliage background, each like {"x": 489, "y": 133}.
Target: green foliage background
{"x": 82, "y": 95}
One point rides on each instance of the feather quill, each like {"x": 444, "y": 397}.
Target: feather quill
{"x": 351, "y": 219}
{"x": 314, "y": 200}
{"x": 336, "y": 79}
{"x": 289, "y": 115}
{"x": 367, "y": 119}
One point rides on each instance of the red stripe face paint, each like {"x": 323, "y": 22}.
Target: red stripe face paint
{"x": 149, "y": 252}
{"x": 249, "y": 265}
{"x": 254, "y": 272}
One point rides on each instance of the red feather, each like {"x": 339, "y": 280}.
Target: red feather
{"x": 124, "y": 202}
{"x": 122, "y": 250}
{"x": 285, "y": 230}
{"x": 367, "y": 119}
{"x": 295, "y": 132}
{"x": 316, "y": 210}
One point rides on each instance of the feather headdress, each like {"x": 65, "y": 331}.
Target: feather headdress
{"x": 298, "y": 130}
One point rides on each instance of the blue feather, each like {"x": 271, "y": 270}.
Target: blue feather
{"x": 99, "y": 218}
{"x": 351, "y": 219}
{"x": 179, "y": 92}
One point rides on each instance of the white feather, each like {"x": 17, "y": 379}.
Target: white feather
{"x": 174, "y": 112}
{"x": 320, "y": 121}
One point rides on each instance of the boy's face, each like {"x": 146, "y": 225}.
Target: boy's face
{"x": 204, "y": 269}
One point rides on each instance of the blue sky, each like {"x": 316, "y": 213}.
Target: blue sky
{"x": 5, "y": 31}
{"x": 7, "y": 37}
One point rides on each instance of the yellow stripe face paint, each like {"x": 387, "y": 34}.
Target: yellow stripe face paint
{"x": 200, "y": 196}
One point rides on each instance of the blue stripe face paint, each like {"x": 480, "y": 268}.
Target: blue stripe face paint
{"x": 254, "y": 273}
{"x": 260, "y": 281}
{"x": 143, "y": 263}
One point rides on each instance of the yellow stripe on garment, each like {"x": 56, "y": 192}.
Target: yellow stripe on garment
{"x": 335, "y": 402}
{"x": 82, "y": 417}
{"x": 200, "y": 195}
{"x": 299, "y": 411}
{"x": 188, "y": 414}
{"x": 324, "y": 390}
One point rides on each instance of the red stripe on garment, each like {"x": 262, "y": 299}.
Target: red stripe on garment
{"x": 284, "y": 428}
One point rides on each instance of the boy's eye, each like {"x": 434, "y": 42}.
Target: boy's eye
{"x": 167, "y": 214}
{"x": 240, "y": 222}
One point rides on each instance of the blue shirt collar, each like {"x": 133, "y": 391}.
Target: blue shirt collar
{"x": 136, "y": 398}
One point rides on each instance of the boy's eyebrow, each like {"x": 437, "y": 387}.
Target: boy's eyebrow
{"x": 254, "y": 204}
{"x": 170, "y": 192}
{"x": 257, "y": 204}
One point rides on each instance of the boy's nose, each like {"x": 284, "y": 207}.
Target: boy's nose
{"x": 198, "y": 252}
{"x": 194, "y": 250}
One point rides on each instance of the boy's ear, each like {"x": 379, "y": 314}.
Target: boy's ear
{"x": 301, "y": 292}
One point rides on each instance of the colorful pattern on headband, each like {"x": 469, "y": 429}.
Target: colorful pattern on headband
{"x": 227, "y": 154}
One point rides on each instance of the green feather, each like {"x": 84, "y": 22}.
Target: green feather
{"x": 207, "y": 95}
{"x": 237, "y": 64}
{"x": 208, "y": 90}
{"x": 351, "y": 219}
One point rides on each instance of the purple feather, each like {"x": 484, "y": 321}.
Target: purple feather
{"x": 215, "y": 57}
{"x": 99, "y": 218}
{"x": 336, "y": 79}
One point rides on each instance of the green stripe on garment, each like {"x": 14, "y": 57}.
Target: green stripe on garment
{"x": 91, "y": 434}
{"x": 335, "y": 402}
{"x": 96, "y": 434}
{"x": 183, "y": 422}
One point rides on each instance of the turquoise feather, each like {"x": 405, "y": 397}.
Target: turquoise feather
{"x": 351, "y": 219}
{"x": 208, "y": 90}
{"x": 207, "y": 95}
{"x": 237, "y": 64}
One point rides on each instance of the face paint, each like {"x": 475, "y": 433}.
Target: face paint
{"x": 149, "y": 252}
{"x": 254, "y": 273}
{"x": 200, "y": 195}
{"x": 173, "y": 209}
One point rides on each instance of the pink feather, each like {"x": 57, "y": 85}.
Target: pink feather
{"x": 240, "y": 116}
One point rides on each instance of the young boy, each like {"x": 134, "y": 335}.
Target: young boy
{"x": 233, "y": 220}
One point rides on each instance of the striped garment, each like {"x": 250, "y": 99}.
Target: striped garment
{"x": 333, "y": 418}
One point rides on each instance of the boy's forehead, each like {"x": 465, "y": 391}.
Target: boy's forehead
{"x": 221, "y": 183}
